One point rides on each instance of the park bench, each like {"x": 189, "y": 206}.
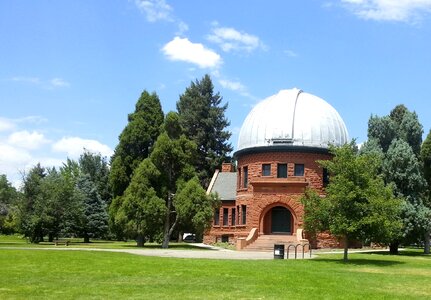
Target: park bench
{"x": 61, "y": 242}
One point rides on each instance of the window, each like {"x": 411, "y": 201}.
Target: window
{"x": 282, "y": 170}
{"x": 299, "y": 170}
{"x": 217, "y": 216}
{"x": 225, "y": 216}
{"x": 325, "y": 177}
{"x": 239, "y": 220}
{"x": 245, "y": 182}
{"x": 266, "y": 170}
{"x": 233, "y": 217}
{"x": 244, "y": 214}
{"x": 239, "y": 178}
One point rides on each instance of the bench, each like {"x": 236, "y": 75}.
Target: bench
{"x": 61, "y": 242}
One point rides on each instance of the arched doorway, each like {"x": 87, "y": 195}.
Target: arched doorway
{"x": 278, "y": 220}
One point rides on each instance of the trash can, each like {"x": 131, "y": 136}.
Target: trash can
{"x": 278, "y": 251}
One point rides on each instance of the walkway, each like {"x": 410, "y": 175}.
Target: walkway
{"x": 208, "y": 253}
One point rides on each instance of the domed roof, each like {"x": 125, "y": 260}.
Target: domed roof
{"x": 292, "y": 118}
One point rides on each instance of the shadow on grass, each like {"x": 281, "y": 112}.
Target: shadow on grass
{"x": 171, "y": 246}
{"x": 408, "y": 252}
{"x": 361, "y": 262}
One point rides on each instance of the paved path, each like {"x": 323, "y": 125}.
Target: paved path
{"x": 209, "y": 253}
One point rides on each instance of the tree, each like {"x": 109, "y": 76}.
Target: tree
{"x": 426, "y": 160}
{"x": 135, "y": 144}
{"x": 194, "y": 207}
{"x": 136, "y": 141}
{"x": 164, "y": 190}
{"x": 96, "y": 167}
{"x": 142, "y": 211}
{"x": 173, "y": 156}
{"x": 400, "y": 135}
{"x": 382, "y": 130}
{"x": 402, "y": 168}
{"x": 358, "y": 205}
{"x": 31, "y": 206}
{"x": 8, "y": 202}
{"x": 93, "y": 218}
{"x": 203, "y": 120}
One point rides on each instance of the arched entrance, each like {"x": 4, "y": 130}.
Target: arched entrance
{"x": 278, "y": 220}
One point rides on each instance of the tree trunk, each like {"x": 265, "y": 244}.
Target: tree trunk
{"x": 50, "y": 237}
{"x": 140, "y": 240}
{"x": 180, "y": 237}
{"x": 393, "y": 248}
{"x": 86, "y": 238}
{"x": 166, "y": 235}
{"x": 427, "y": 242}
{"x": 346, "y": 248}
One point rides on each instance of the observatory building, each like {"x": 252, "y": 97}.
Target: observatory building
{"x": 279, "y": 144}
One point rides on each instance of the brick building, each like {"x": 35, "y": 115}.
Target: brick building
{"x": 279, "y": 145}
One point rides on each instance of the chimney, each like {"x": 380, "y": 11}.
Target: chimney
{"x": 227, "y": 167}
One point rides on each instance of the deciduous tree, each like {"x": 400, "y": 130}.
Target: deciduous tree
{"x": 358, "y": 205}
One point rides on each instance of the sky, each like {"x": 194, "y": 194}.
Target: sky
{"x": 71, "y": 71}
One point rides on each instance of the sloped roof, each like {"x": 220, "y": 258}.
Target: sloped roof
{"x": 225, "y": 185}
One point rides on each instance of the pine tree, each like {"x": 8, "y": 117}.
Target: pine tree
{"x": 426, "y": 160}
{"x": 203, "y": 119}
{"x": 136, "y": 141}
{"x": 93, "y": 216}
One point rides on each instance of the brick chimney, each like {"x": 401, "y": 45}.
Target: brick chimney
{"x": 227, "y": 167}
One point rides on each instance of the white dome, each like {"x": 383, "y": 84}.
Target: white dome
{"x": 292, "y": 118}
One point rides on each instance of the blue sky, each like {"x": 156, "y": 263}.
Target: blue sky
{"x": 71, "y": 71}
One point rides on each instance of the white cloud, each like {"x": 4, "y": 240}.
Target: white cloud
{"x": 6, "y": 125}
{"x": 236, "y": 86}
{"x": 182, "y": 27}
{"x": 31, "y": 120}
{"x": 47, "y": 84}
{"x": 155, "y": 10}
{"x": 231, "y": 39}
{"x": 232, "y": 85}
{"x": 58, "y": 82}
{"x": 27, "y": 140}
{"x": 32, "y": 80}
{"x": 74, "y": 147}
{"x": 389, "y": 10}
{"x": 10, "y": 155}
{"x": 181, "y": 49}
{"x": 290, "y": 53}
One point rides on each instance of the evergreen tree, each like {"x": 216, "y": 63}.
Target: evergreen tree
{"x": 135, "y": 144}
{"x": 96, "y": 167}
{"x": 400, "y": 136}
{"x": 93, "y": 216}
{"x": 142, "y": 211}
{"x": 31, "y": 205}
{"x": 426, "y": 160}
{"x": 8, "y": 202}
{"x": 203, "y": 119}
{"x": 136, "y": 141}
{"x": 164, "y": 190}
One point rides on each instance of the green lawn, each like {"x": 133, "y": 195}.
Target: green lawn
{"x": 29, "y": 274}
{"x": 19, "y": 241}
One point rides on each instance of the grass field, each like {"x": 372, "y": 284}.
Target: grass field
{"x": 44, "y": 274}
{"x": 18, "y": 241}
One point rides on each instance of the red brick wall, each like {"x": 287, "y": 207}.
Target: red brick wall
{"x": 266, "y": 192}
